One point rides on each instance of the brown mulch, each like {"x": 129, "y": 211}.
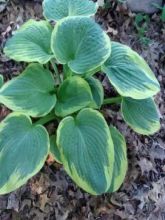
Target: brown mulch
{"x": 51, "y": 194}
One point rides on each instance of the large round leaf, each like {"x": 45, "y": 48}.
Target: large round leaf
{"x": 80, "y": 43}
{"x": 87, "y": 150}
{"x": 31, "y": 43}
{"x": 58, "y": 9}
{"x": 31, "y": 92}
{"x": 23, "y": 151}
{"x": 120, "y": 162}
{"x": 129, "y": 73}
{"x": 141, "y": 115}
{"x": 97, "y": 92}
{"x": 73, "y": 95}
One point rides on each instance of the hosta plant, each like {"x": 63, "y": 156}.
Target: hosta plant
{"x": 65, "y": 51}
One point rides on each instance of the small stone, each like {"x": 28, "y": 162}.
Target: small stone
{"x": 13, "y": 202}
{"x": 146, "y": 6}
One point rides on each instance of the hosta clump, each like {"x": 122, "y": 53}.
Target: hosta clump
{"x": 92, "y": 151}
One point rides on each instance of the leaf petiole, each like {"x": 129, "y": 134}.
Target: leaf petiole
{"x": 47, "y": 119}
{"x": 56, "y": 71}
{"x": 115, "y": 100}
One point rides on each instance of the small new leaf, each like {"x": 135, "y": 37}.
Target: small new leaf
{"x": 73, "y": 95}
{"x": 97, "y": 92}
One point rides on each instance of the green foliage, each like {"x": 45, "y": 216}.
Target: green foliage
{"x": 129, "y": 73}
{"x": 58, "y": 9}
{"x": 31, "y": 93}
{"x": 92, "y": 152}
{"x": 23, "y": 151}
{"x": 141, "y": 24}
{"x": 1, "y": 81}
{"x": 97, "y": 92}
{"x": 54, "y": 151}
{"x": 162, "y": 8}
{"x": 80, "y": 43}
{"x": 141, "y": 115}
{"x": 163, "y": 14}
{"x": 31, "y": 43}
{"x": 73, "y": 94}
{"x": 120, "y": 162}
{"x": 87, "y": 150}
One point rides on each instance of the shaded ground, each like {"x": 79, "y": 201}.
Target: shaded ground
{"x": 51, "y": 194}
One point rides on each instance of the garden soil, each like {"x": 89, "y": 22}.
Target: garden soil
{"x": 51, "y": 194}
